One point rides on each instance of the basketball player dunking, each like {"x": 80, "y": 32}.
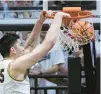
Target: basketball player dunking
{"x": 13, "y": 69}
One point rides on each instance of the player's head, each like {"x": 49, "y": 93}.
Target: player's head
{"x": 10, "y": 46}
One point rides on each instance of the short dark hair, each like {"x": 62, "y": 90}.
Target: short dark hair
{"x": 6, "y": 42}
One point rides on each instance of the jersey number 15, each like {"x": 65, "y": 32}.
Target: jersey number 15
{"x": 1, "y": 76}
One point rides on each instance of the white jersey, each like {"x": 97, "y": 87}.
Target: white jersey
{"x": 10, "y": 86}
{"x": 53, "y": 57}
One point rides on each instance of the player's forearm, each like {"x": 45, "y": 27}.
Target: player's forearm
{"x": 34, "y": 34}
{"x": 54, "y": 29}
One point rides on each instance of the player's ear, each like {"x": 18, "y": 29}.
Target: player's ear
{"x": 12, "y": 50}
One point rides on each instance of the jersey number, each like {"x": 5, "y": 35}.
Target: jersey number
{"x": 1, "y": 76}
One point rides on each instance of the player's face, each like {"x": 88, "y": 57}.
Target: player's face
{"x": 19, "y": 48}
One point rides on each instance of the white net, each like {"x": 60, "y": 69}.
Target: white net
{"x": 66, "y": 42}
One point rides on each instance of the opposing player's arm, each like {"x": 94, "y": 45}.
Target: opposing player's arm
{"x": 57, "y": 58}
{"x": 53, "y": 69}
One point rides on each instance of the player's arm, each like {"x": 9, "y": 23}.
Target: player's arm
{"x": 35, "y": 32}
{"x": 25, "y": 62}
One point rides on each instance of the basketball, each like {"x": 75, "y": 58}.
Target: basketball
{"x": 83, "y": 28}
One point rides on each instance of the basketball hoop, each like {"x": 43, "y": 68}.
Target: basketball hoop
{"x": 78, "y": 34}
{"x": 75, "y": 13}
{"x": 75, "y": 32}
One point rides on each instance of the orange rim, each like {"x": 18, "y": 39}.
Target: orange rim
{"x": 75, "y": 12}
{"x": 80, "y": 15}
